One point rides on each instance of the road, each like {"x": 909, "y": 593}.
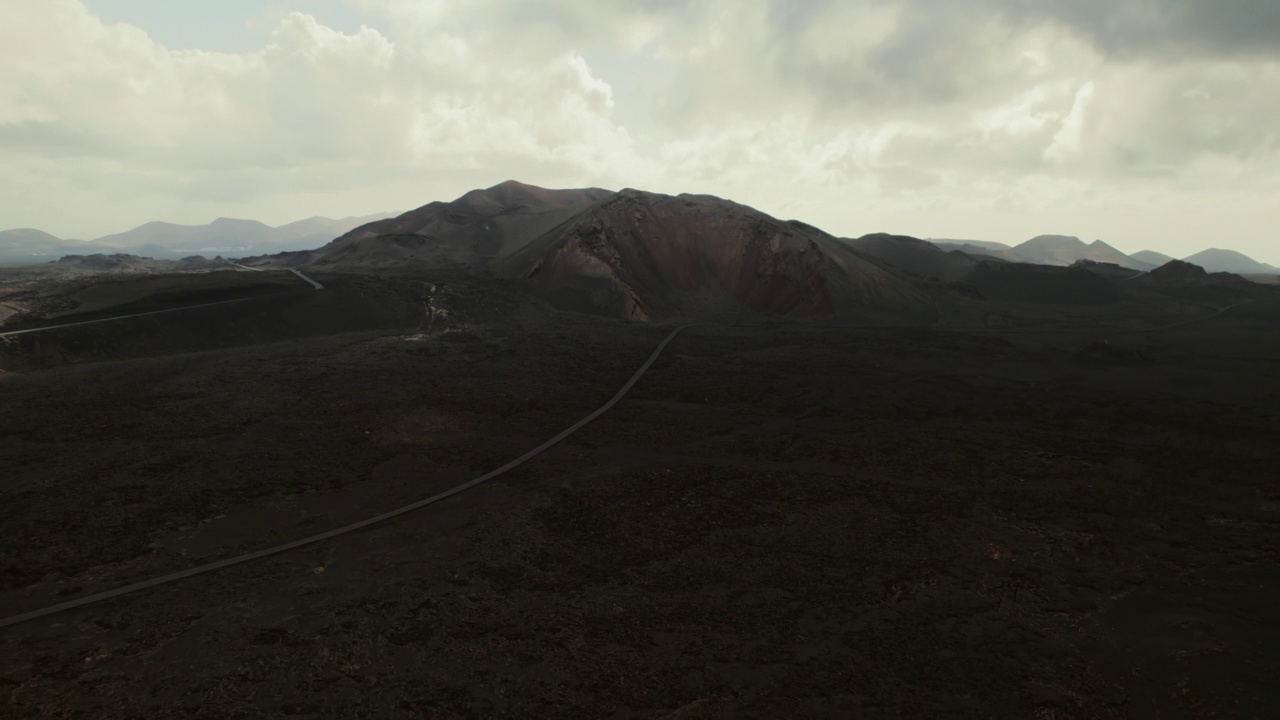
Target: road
{"x": 15, "y": 333}
{"x": 314, "y": 284}
{"x": 210, "y": 567}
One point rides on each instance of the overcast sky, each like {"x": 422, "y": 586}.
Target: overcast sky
{"x": 1151, "y": 124}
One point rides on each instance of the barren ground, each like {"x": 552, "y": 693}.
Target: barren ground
{"x": 781, "y": 520}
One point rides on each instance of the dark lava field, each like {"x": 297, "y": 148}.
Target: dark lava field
{"x": 994, "y": 508}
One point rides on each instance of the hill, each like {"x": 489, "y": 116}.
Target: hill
{"x": 1067, "y": 250}
{"x": 1084, "y": 282}
{"x": 919, "y": 257}
{"x": 230, "y": 237}
{"x": 646, "y": 256}
{"x": 125, "y": 263}
{"x": 1041, "y": 284}
{"x": 1178, "y": 271}
{"x": 223, "y": 236}
{"x": 31, "y": 236}
{"x": 27, "y": 245}
{"x": 471, "y": 231}
{"x": 632, "y": 254}
{"x": 642, "y": 256}
{"x": 1230, "y": 261}
{"x": 1189, "y": 282}
{"x": 316, "y": 231}
{"x": 979, "y": 248}
{"x": 1151, "y": 257}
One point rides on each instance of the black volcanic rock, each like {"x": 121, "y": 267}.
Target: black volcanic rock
{"x": 1106, "y": 353}
{"x": 100, "y": 261}
{"x": 1177, "y": 270}
{"x": 1041, "y": 284}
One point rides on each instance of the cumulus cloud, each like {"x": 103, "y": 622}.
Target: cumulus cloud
{"x": 996, "y": 119}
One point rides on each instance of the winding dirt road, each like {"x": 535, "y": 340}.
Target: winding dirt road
{"x": 15, "y": 333}
{"x": 218, "y": 565}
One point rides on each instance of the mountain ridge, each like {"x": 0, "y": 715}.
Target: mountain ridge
{"x": 1220, "y": 260}
{"x": 633, "y": 254}
{"x": 237, "y": 237}
{"x": 1068, "y": 249}
{"x": 232, "y": 237}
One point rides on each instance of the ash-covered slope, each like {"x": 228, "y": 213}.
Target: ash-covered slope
{"x": 473, "y": 230}
{"x": 645, "y": 256}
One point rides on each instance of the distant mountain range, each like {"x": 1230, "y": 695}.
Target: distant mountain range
{"x": 1151, "y": 257}
{"x": 1215, "y": 260}
{"x": 225, "y": 236}
{"x": 1063, "y": 250}
{"x": 234, "y": 238}
{"x": 1067, "y": 250}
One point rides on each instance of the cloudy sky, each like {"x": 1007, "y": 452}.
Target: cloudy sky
{"x": 1151, "y": 124}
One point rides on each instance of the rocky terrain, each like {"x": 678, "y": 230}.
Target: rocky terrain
{"x": 875, "y": 479}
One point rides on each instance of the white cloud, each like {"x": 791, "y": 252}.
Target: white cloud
{"x": 1066, "y": 142}
{"x": 853, "y": 114}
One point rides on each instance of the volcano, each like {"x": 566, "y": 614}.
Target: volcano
{"x": 472, "y": 231}
{"x": 645, "y": 255}
{"x": 637, "y": 255}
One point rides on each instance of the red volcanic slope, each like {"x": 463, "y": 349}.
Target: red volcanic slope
{"x": 637, "y": 255}
{"x": 644, "y": 255}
